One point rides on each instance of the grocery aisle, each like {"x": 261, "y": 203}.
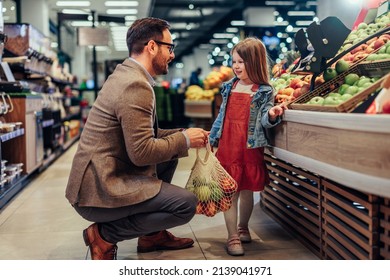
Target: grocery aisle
{"x": 39, "y": 224}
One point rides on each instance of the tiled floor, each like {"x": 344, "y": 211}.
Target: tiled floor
{"x": 39, "y": 224}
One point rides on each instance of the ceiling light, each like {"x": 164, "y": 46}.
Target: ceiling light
{"x": 232, "y": 29}
{"x": 100, "y": 48}
{"x": 237, "y": 23}
{"x": 129, "y": 18}
{"x": 81, "y": 23}
{"x": 279, "y": 3}
{"x": 184, "y": 13}
{"x": 122, "y": 11}
{"x": 223, "y": 35}
{"x": 74, "y": 11}
{"x": 73, "y": 3}
{"x": 281, "y": 23}
{"x": 219, "y": 41}
{"x": 121, "y": 3}
{"x": 301, "y": 13}
{"x": 303, "y": 22}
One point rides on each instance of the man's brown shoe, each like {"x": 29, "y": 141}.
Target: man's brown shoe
{"x": 164, "y": 240}
{"x": 100, "y": 249}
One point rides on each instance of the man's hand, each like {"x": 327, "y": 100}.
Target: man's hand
{"x": 198, "y": 137}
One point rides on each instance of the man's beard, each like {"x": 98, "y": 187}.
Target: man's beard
{"x": 159, "y": 65}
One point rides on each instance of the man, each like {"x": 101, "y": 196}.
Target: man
{"x": 194, "y": 78}
{"x": 121, "y": 173}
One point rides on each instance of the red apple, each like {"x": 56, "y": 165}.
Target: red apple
{"x": 305, "y": 88}
{"x": 379, "y": 43}
{"x": 294, "y": 83}
{"x": 385, "y": 37}
{"x": 297, "y": 92}
{"x": 386, "y": 107}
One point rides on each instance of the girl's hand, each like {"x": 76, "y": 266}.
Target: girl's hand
{"x": 276, "y": 111}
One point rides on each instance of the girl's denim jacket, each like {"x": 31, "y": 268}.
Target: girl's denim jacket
{"x": 259, "y": 121}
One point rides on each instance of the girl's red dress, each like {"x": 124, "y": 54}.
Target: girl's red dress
{"x": 246, "y": 166}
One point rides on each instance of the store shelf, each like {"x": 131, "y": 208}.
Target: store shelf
{"x": 9, "y": 190}
{"x": 57, "y": 153}
{"x": 11, "y": 135}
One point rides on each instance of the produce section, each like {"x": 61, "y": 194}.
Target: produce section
{"x": 329, "y": 160}
{"x": 199, "y": 103}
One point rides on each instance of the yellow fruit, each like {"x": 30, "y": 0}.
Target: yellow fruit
{"x": 203, "y": 193}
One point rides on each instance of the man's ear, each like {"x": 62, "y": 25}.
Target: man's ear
{"x": 152, "y": 47}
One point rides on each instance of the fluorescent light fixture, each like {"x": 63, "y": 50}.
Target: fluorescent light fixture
{"x": 311, "y": 3}
{"x": 279, "y": 3}
{"x": 303, "y": 22}
{"x": 81, "y": 23}
{"x": 301, "y": 13}
{"x": 73, "y": 3}
{"x": 281, "y": 23}
{"x": 100, "y": 48}
{"x": 219, "y": 41}
{"x": 205, "y": 46}
{"x": 232, "y": 29}
{"x": 223, "y": 35}
{"x": 130, "y": 18}
{"x": 184, "y": 13}
{"x": 237, "y": 23}
{"x": 74, "y": 11}
{"x": 122, "y": 11}
{"x": 121, "y": 3}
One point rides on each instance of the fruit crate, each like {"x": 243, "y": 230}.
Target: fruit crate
{"x": 384, "y": 229}
{"x": 293, "y": 199}
{"x": 350, "y": 223}
{"x": 334, "y": 84}
{"x": 377, "y": 68}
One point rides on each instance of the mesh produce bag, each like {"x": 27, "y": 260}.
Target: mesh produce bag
{"x": 210, "y": 182}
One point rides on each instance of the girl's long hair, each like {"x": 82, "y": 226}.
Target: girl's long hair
{"x": 255, "y": 57}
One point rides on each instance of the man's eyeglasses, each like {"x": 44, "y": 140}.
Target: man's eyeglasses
{"x": 171, "y": 46}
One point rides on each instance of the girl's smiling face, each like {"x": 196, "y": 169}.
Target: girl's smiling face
{"x": 239, "y": 69}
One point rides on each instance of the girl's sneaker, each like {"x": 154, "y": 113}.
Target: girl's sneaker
{"x": 243, "y": 233}
{"x": 234, "y": 247}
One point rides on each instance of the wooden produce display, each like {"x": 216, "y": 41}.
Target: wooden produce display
{"x": 293, "y": 198}
{"x": 384, "y": 229}
{"x": 330, "y": 182}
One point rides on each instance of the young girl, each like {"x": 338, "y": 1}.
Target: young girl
{"x": 239, "y": 133}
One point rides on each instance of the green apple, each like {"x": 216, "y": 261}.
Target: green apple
{"x": 366, "y": 85}
{"x": 342, "y": 88}
{"x": 329, "y": 74}
{"x": 316, "y": 100}
{"x": 372, "y": 56}
{"x": 345, "y": 97}
{"x": 335, "y": 94}
{"x": 332, "y": 101}
{"x": 352, "y": 90}
{"x": 351, "y": 78}
{"x": 362, "y": 80}
{"x": 341, "y": 66}
{"x": 362, "y": 25}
